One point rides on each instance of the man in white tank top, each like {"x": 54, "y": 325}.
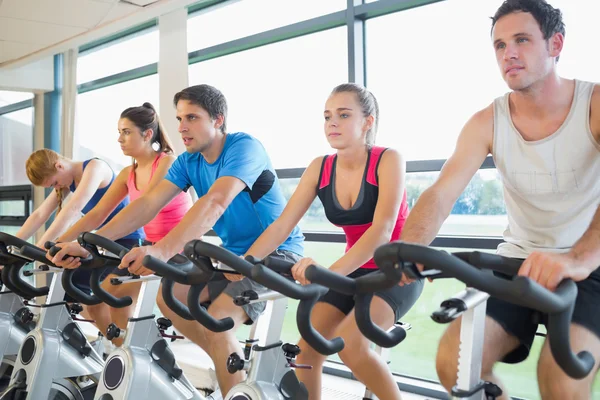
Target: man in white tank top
{"x": 544, "y": 137}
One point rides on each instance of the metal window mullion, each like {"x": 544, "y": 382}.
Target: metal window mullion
{"x": 21, "y": 105}
{"x": 412, "y": 167}
{"x": 385, "y": 7}
{"x": 116, "y": 79}
{"x": 356, "y": 44}
{"x": 314, "y": 25}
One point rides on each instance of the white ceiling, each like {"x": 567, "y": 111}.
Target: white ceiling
{"x": 27, "y": 26}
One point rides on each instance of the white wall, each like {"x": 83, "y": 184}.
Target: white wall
{"x": 36, "y": 76}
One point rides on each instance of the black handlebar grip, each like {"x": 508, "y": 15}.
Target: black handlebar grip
{"x": 201, "y": 315}
{"x": 271, "y": 279}
{"x": 105, "y": 296}
{"x": 218, "y": 253}
{"x": 7, "y": 280}
{"x": 504, "y": 265}
{"x": 54, "y": 251}
{"x": 371, "y": 331}
{"x": 577, "y": 366}
{"x": 171, "y": 301}
{"x": 279, "y": 265}
{"x": 76, "y": 293}
{"x": 15, "y": 279}
{"x": 310, "y": 334}
{"x": 374, "y": 282}
{"x": 87, "y": 238}
{"x": 164, "y": 269}
{"x": 333, "y": 281}
{"x": 48, "y": 245}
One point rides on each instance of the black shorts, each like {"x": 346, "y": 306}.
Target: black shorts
{"x": 523, "y": 322}
{"x": 81, "y": 276}
{"x": 399, "y": 298}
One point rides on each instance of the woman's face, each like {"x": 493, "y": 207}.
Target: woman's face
{"x": 61, "y": 179}
{"x": 131, "y": 139}
{"x": 345, "y": 123}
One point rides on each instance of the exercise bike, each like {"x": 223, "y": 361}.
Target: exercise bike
{"x": 485, "y": 275}
{"x": 144, "y": 366}
{"x": 14, "y": 321}
{"x": 55, "y": 360}
{"x": 268, "y": 362}
{"x": 361, "y": 288}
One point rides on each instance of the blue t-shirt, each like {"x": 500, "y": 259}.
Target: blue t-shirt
{"x": 253, "y": 209}
{"x": 138, "y": 234}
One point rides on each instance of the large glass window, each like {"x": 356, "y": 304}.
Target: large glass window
{"x": 10, "y": 97}
{"x": 434, "y": 77}
{"x": 433, "y": 80}
{"x": 243, "y": 18}
{"x": 131, "y": 52}
{"x": 479, "y": 210}
{"x": 97, "y": 115}
{"x": 281, "y": 101}
{"x": 16, "y": 144}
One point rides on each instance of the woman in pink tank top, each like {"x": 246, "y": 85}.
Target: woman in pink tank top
{"x": 142, "y": 137}
{"x": 362, "y": 190}
{"x": 169, "y": 216}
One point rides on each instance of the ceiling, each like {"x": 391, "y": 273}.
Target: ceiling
{"x": 27, "y": 26}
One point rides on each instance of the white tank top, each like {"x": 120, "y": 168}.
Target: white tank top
{"x": 551, "y": 186}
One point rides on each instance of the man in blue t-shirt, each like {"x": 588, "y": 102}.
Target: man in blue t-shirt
{"x": 238, "y": 197}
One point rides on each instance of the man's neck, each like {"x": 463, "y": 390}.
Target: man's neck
{"x": 214, "y": 150}
{"x": 543, "y": 99}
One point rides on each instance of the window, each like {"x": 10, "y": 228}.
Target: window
{"x": 479, "y": 210}
{"x": 16, "y": 144}
{"x": 10, "y": 97}
{"x": 434, "y": 80}
{"x": 314, "y": 220}
{"x": 281, "y": 101}
{"x": 425, "y": 92}
{"x": 232, "y": 21}
{"x": 97, "y": 115}
{"x": 11, "y": 230}
{"x": 131, "y": 52}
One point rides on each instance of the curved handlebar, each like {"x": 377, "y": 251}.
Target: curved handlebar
{"x": 14, "y": 264}
{"x": 172, "y": 302}
{"x": 185, "y": 273}
{"x": 508, "y": 287}
{"x": 362, "y": 288}
{"x": 196, "y": 249}
{"x": 67, "y": 281}
{"x": 201, "y": 315}
{"x": 362, "y": 313}
{"x": 308, "y": 296}
{"x": 97, "y": 263}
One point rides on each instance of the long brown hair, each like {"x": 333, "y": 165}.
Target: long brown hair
{"x": 41, "y": 165}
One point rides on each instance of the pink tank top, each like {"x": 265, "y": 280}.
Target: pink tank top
{"x": 169, "y": 216}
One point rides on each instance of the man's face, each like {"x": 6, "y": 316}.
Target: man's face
{"x": 524, "y": 57}
{"x": 196, "y": 126}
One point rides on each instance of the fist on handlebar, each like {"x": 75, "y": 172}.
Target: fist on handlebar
{"x": 133, "y": 259}
{"x": 299, "y": 270}
{"x": 72, "y": 249}
{"x": 549, "y": 269}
